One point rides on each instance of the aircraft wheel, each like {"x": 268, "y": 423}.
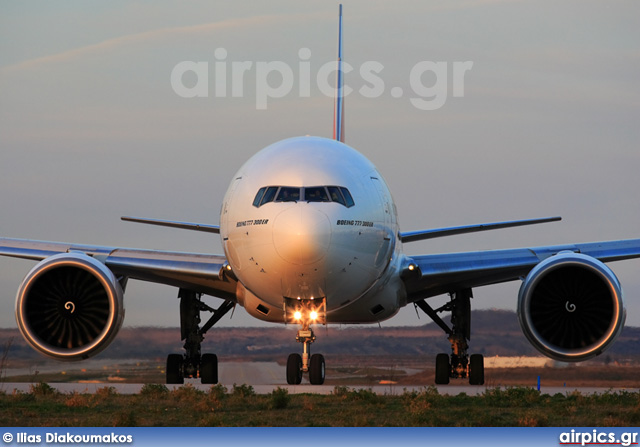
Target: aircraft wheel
{"x": 316, "y": 369}
{"x": 174, "y": 371}
{"x": 476, "y": 369}
{"x": 294, "y": 369}
{"x": 209, "y": 369}
{"x": 443, "y": 369}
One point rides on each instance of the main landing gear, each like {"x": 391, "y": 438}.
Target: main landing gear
{"x": 459, "y": 364}
{"x": 305, "y": 312}
{"x": 193, "y": 364}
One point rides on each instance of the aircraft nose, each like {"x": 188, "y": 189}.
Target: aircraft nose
{"x": 302, "y": 234}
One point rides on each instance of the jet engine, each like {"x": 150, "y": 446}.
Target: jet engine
{"x": 570, "y": 307}
{"x": 70, "y": 306}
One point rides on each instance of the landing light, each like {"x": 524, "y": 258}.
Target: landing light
{"x": 313, "y": 315}
{"x": 297, "y": 315}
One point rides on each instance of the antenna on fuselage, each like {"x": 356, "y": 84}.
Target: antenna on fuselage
{"x": 338, "y": 111}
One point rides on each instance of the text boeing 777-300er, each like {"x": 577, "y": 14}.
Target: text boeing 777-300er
{"x": 311, "y": 237}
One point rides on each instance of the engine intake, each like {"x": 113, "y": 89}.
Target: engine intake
{"x": 69, "y": 306}
{"x": 571, "y": 307}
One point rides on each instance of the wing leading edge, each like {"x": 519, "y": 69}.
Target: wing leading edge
{"x": 174, "y": 224}
{"x": 445, "y": 273}
{"x": 200, "y": 273}
{"x": 412, "y": 236}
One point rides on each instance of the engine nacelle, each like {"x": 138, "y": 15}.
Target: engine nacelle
{"x": 69, "y": 306}
{"x": 571, "y": 307}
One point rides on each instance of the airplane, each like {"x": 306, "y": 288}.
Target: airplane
{"x": 310, "y": 236}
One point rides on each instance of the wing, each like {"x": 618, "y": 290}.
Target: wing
{"x": 173, "y": 224}
{"x": 431, "y": 275}
{"x": 197, "y": 272}
{"x": 412, "y": 236}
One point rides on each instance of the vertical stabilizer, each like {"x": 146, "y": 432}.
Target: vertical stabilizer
{"x": 338, "y": 111}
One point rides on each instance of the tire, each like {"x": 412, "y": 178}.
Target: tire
{"x": 209, "y": 369}
{"x": 476, "y": 369}
{"x": 443, "y": 369}
{"x": 174, "y": 369}
{"x": 316, "y": 369}
{"x": 294, "y": 369}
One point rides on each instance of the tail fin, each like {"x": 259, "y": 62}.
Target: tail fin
{"x": 338, "y": 111}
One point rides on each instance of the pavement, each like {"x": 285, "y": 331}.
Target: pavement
{"x": 265, "y": 377}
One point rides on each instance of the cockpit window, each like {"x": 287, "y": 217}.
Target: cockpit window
{"x": 338, "y": 194}
{"x": 287, "y": 194}
{"x": 347, "y": 197}
{"x": 316, "y": 194}
{"x": 256, "y": 201}
{"x": 269, "y": 195}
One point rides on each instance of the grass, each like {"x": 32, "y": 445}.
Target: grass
{"x": 156, "y": 405}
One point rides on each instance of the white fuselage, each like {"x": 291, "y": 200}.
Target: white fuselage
{"x": 290, "y": 231}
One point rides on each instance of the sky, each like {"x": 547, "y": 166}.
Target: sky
{"x": 542, "y": 121}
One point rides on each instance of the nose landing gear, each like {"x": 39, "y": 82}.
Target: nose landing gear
{"x": 297, "y": 365}
{"x": 305, "y": 312}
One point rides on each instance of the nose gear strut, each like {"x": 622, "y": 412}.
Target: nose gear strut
{"x": 305, "y": 312}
